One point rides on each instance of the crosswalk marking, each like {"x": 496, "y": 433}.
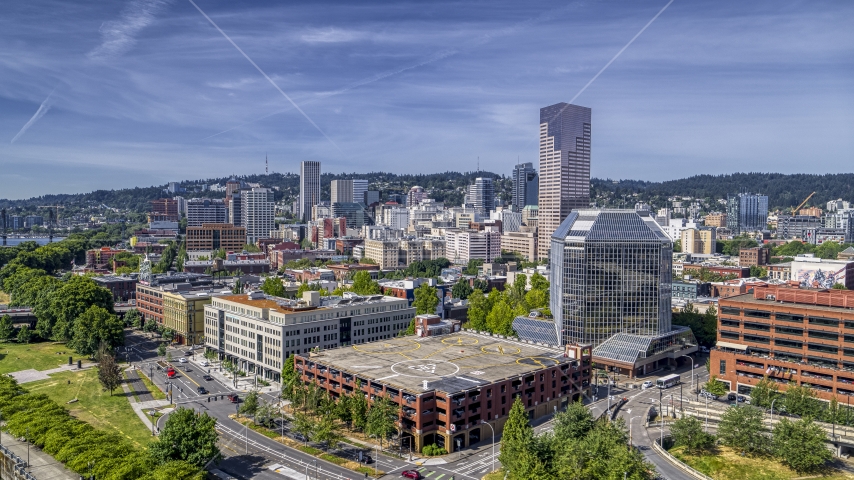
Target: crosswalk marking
{"x": 440, "y": 476}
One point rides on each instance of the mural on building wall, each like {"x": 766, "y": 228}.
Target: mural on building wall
{"x": 811, "y": 276}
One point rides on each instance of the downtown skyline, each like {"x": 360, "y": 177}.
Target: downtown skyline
{"x": 145, "y": 92}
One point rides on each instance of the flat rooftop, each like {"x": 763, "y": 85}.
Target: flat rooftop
{"x": 749, "y": 298}
{"x": 449, "y": 363}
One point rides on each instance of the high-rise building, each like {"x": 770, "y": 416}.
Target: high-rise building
{"x": 415, "y": 196}
{"x": 348, "y": 191}
{"x": 610, "y": 274}
{"x": 526, "y": 186}
{"x": 215, "y": 236}
{"x": 258, "y": 208}
{"x": 699, "y": 240}
{"x": 164, "y": 209}
{"x": 235, "y": 209}
{"x": 481, "y": 195}
{"x": 309, "y": 188}
{"x": 205, "y": 210}
{"x": 564, "y": 167}
{"x": 356, "y": 214}
{"x": 747, "y": 212}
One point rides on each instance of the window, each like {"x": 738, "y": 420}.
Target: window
{"x": 730, "y": 335}
{"x": 756, "y": 338}
{"x": 827, "y": 322}
{"x": 823, "y": 335}
{"x": 788, "y": 343}
{"x": 822, "y": 348}
{"x": 757, "y": 326}
{"x": 757, "y": 314}
{"x": 723, "y": 367}
{"x": 730, "y": 311}
{"x": 785, "y": 317}
{"x": 789, "y": 331}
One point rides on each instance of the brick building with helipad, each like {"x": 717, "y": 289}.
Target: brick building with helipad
{"x": 448, "y": 385}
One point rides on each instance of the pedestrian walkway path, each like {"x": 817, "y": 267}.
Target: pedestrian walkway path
{"x": 136, "y": 386}
{"x": 42, "y": 465}
{"x": 243, "y": 384}
{"x": 31, "y": 375}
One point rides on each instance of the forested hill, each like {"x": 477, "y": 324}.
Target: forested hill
{"x": 784, "y": 191}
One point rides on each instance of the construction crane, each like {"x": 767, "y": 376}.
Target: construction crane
{"x": 795, "y": 210}
{"x": 52, "y": 218}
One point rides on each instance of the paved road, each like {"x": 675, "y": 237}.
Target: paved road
{"x": 252, "y": 455}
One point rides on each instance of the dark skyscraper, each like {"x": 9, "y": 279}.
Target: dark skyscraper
{"x": 526, "y": 185}
{"x": 747, "y": 212}
{"x": 564, "y": 167}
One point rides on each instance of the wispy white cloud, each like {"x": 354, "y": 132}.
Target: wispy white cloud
{"x": 43, "y": 108}
{"x": 332, "y": 35}
{"x": 118, "y": 36}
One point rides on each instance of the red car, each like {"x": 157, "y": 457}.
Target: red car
{"x": 413, "y": 474}
{"x": 170, "y": 372}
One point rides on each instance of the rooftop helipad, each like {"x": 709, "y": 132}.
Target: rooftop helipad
{"x": 449, "y": 363}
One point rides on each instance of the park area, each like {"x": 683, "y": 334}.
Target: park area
{"x": 37, "y": 356}
{"x": 725, "y": 464}
{"x": 94, "y": 405}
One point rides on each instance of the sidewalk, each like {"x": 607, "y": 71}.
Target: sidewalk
{"x": 147, "y": 403}
{"x": 31, "y": 375}
{"x": 42, "y": 465}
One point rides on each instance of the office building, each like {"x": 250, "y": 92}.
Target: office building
{"x": 205, "y": 210}
{"x": 355, "y": 214}
{"x": 372, "y": 197}
{"x": 235, "y": 209}
{"x": 462, "y": 245}
{"x": 164, "y": 209}
{"x": 123, "y": 288}
{"x": 444, "y": 402}
{"x": 813, "y": 272}
{"x": 749, "y": 257}
{"x": 215, "y": 236}
{"x": 391, "y": 254}
{"x": 348, "y": 191}
{"x": 747, "y": 212}
{"x": 258, "y": 332}
{"x": 795, "y": 226}
{"x": 837, "y": 205}
{"x": 309, "y": 188}
{"x": 258, "y": 208}
{"x": 611, "y": 287}
{"x": 526, "y": 186}
{"x": 184, "y": 312}
{"x": 791, "y": 336}
{"x": 699, "y": 240}
{"x": 415, "y": 196}
{"x": 481, "y": 196}
{"x": 149, "y": 294}
{"x": 715, "y": 219}
{"x": 565, "y": 132}
{"x": 523, "y": 243}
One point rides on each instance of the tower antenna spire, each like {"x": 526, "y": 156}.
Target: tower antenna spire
{"x": 266, "y": 164}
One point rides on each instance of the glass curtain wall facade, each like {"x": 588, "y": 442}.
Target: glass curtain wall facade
{"x": 525, "y": 186}
{"x": 565, "y": 131}
{"x": 610, "y": 274}
{"x": 747, "y": 212}
{"x": 309, "y": 188}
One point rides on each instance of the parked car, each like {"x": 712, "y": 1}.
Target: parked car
{"x": 647, "y": 384}
{"x": 704, "y": 349}
{"x": 413, "y": 474}
{"x": 731, "y": 396}
{"x": 188, "y": 353}
{"x": 367, "y": 458}
{"x": 202, "y": 390}
{"x": 234, "y": 398}
{"x": 205, "y": 363}
{"x": 207, "y": 378}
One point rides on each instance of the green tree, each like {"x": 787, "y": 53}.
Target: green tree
{"x": 250, "y": 404}
{"x": 715, "y": 386}
{"x": 461, "y": 289}
{"x": 342, "y": 409}
{"x": 175, "y": 470}
{"x": 73, "y": 298}
{"x": 94, "y": 326}
{"x": 273, "y": 286}
{"x": 539, "y": 282}
{"x": 688, "y": 432}
{"x": 359, "y": 409}
{"x": 149, "y": 326}
{"x": 161, "y": 349}
{"x": 109, "y": 372}
{"x": 24, "y": 334}
{"x": 800, "y": 400}
{"x": 575, "y": 422}
{"x": 290, "y": 375}
{"x": 7, "y": 328}
{"x": 520, "y": 283}
{"x": 473, "y": 266}
{"x": 517, "y": 437}
{"x": 764, "y": 393}
{"x": 305, "y": 426}
{"x": 382, "y": 417}
{"x": 188, "y": 437}
{"x": 133, "y": 319}
{"x": 800, "y": 445}
{"x": 168, "y": 334}
{"x": 364, "y": 285}
{"x": 500, "y": 318}
{"x": 537, "y": 298}
{"x": 838, "y": 286}
{"x": 238, "y": 287}
{"x": 426, "y": 299}
{"x": 478, "y": 310}
{"x": 758, "y": 272}
{"x": 328, "y": 432}
{"x": 741, "y": 428}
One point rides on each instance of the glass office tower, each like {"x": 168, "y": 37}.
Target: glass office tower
{"x": 610, "y": 274}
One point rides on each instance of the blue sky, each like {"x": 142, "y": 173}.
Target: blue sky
{"x": 137, "y": 92}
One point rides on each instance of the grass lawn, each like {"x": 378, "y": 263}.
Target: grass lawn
{"x": 155, "y": 392}
{"x": 4, "y": 298}
{"x": 95, "y": 406}
{"x": 729, "y": 465}
{"x": 39, "y": 356}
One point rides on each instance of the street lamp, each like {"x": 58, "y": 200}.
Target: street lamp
{"x": 315, "y": 470}
{"x": 630, "y": 428}
{"x": 661, "y": 414}
{"x": 493, "y": 441}
{"x": 692, "y": 370}
{"x": 152, "y": 413}
{"x": 772, "y": 409}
